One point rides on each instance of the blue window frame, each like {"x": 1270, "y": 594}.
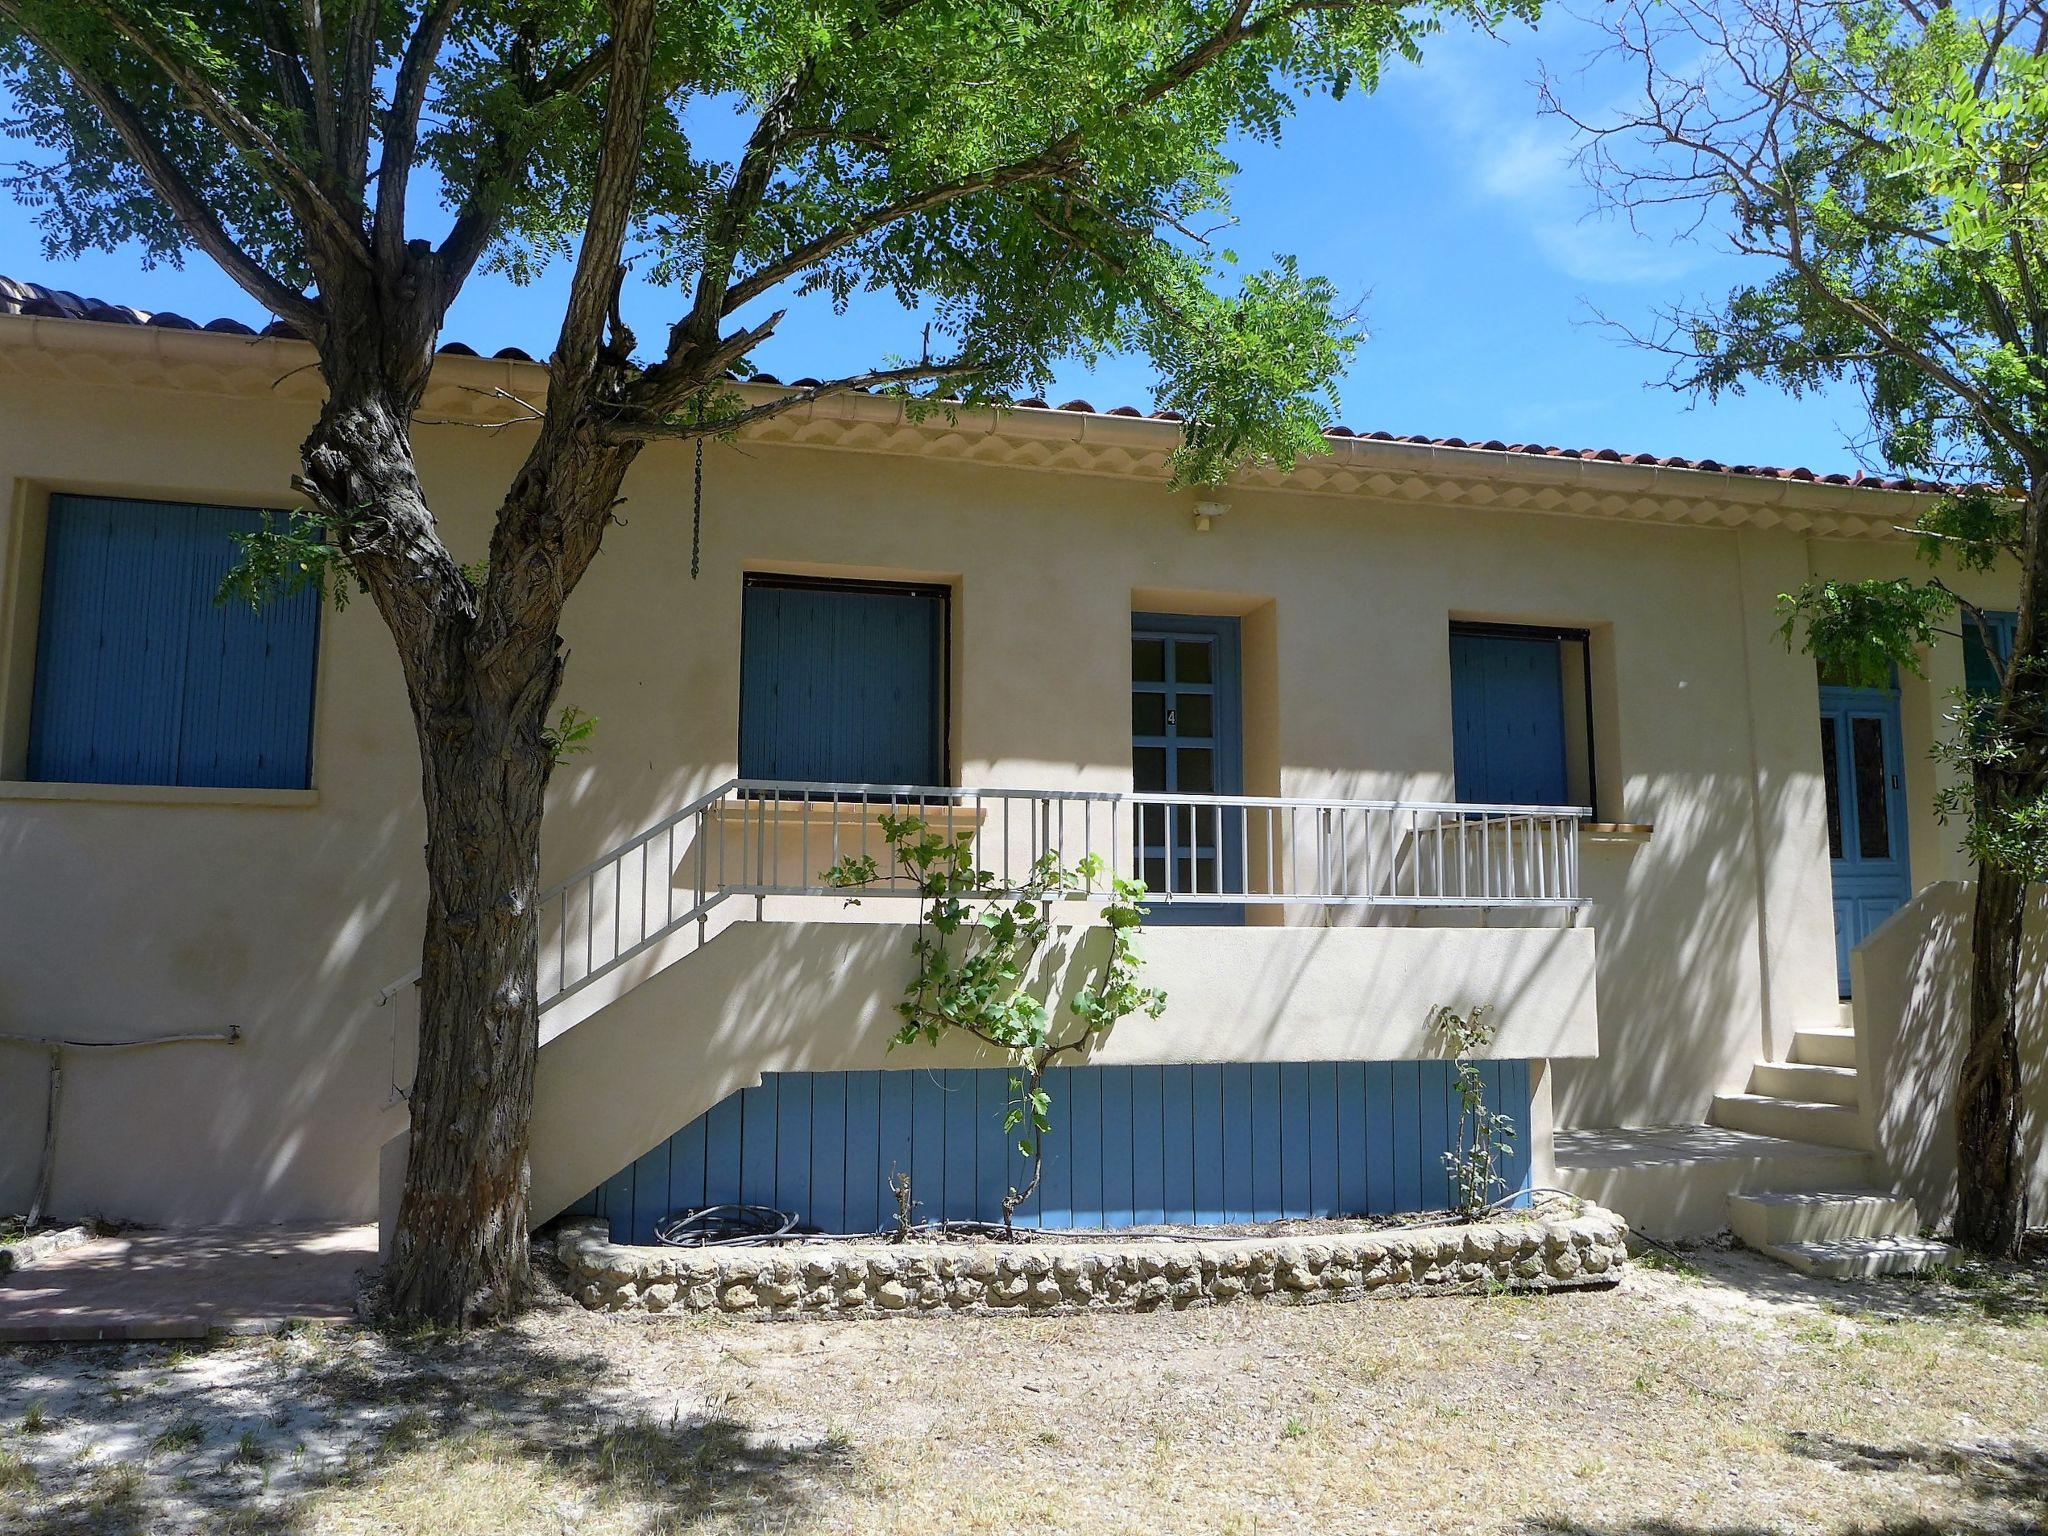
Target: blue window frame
{"x": 1979, "y": 675}
{"x": 1511, "y": 729}
{"x": 843, "y": 682}
{"x": 141, "y": 677}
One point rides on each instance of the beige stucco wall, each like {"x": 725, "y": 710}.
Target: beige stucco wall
{"x": 1912, "y": 979}
{"x": 119, "y": 917}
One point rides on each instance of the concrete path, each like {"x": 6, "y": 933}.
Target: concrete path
{"x": 155, "y": 1284}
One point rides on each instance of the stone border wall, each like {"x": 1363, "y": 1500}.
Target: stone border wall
{"x": 1546, "y": 1251}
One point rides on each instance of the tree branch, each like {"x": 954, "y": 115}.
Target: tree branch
{"x": 271, "y": 159}
{"x": 193, "y": 212}
{"x": 594, "y": 284}
{"x": 476, "y": 222}
{"x": 719, "y": 426}
{"x": 402, "y": 128}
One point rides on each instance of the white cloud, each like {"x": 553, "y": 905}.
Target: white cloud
{"x": 1476, "y": 90}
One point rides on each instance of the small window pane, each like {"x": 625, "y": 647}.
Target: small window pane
{"x": 1148, "y": 768}
{"x": 1148, "y": 714}
{"x": 1193, "y": 661}
{"x": 1197, "y": 771}
{"x": 1831, "y": 773}
{"x": 1151, "y": 826}
{"x": 1194, "y": 715}
{"x": 1873, "y": 801}
{"x": 1155, "y": 874}
{"x": 1148, "y": 661}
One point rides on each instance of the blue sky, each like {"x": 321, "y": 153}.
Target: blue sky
{"x": 1444, "y": 204}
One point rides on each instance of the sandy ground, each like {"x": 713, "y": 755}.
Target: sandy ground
{"x": 1727, "y": 1398}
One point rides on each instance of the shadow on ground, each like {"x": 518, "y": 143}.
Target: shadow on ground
{"x": 484, "y": 1432}
{"x": 2011, "y": 1481}
{"x": 1969, "y": 1290}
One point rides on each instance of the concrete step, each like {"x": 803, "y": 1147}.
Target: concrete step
{"x": 1768, "y": 1218}
{"x": 1674, "y": 1181}
{"x": 1802, "y": 1080}
{"x": 1832, "y": 1125}
{"x": 1824, "y": 1047}
{"x": 1860, "y": 1258}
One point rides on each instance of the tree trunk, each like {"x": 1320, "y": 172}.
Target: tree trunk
{"x": 1991, "y": 1181}
{"x": 480, "y": 697}
{"x": 460, "y": 1251}
{"x": 482, "y": 665}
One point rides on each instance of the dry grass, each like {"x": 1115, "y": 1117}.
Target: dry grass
{"x": 1734, "y": 1400}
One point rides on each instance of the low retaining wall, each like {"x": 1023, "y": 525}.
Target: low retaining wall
{"x": 1543, "y": 1252}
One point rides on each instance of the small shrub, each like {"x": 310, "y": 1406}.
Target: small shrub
{"x": 1486, "y": 1138}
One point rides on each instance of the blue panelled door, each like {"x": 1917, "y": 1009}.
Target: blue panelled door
{"x": 1186, "y": 738}
{"x": 842, "y": 682}
{"x": 1863, "y": 769}
{"x": 1507, "y": 718}
{"x": 141, "y": 677}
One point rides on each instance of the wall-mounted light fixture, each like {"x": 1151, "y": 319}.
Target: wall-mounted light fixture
{"x": 1206, "y": 513}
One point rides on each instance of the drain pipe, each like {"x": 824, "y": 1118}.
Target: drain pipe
{"x": 46, "y": 1168}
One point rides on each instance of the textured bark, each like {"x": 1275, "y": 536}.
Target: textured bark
{"x": 1991, "y": 1181}
{"x": 460, "y": 1250}
{"x": 1991, "y": 1178}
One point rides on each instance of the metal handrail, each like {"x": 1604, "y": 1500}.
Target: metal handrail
{"x": 1192, "y": 849}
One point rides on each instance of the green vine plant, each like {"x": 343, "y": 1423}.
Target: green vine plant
{"x": 284, "y": 558}
{"x": 978, "y": 938}
{"x": 1486, "y": 1138}
{"x": 570, "y": 734}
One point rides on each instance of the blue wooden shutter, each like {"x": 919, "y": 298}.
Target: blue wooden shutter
{"x": 141, "y": 678}
{"x": 1979, "y": 675}
{"x": 1507, "y": 718}
{"x": 842, "y": 684}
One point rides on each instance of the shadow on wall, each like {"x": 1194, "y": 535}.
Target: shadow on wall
{"x": 1682, "y": 1014}
{"x": 1912, "y": 984}
{"x": 276, "y": 922}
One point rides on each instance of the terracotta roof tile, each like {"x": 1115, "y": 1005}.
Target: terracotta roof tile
{"x": 23, "y": 298}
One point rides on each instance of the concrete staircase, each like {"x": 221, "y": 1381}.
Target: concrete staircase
{"x": 1841, "y": 1231}
{"x": 1785, "y": 1164}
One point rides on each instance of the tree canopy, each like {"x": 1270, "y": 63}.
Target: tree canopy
{"x": 1888, "y": 159}
{"x": 1044, "y": 180}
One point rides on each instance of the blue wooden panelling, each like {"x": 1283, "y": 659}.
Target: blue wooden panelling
{"x": 828, "y": 1151}
{"x": 1053, "y": 1205}
{"x": 842, "y": 684}
{"x": 1148, "y": 1146}
{"x": 866, "y": 1174}
{"x": 1239, "y": 1203}
{"x": 1296, "y": 1184}
{"x": 1129, "y": 1146}
{"x": 141, "y": 677}
{"x": 1507, "y": 718}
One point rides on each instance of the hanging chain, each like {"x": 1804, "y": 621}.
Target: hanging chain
{"x": 697, "y": 513}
